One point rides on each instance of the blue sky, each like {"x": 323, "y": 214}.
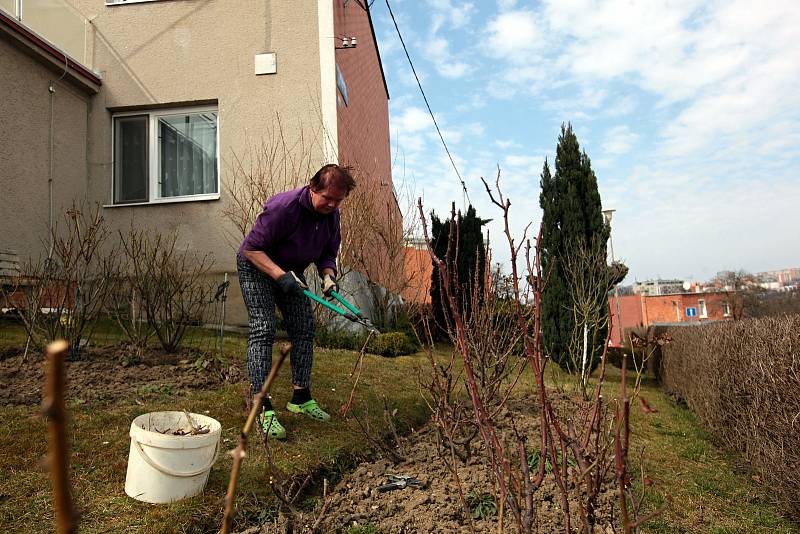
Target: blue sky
{"x": 689, "y": 110}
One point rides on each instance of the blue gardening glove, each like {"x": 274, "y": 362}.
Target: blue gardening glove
{"x": 329, "y": 284}
{"x": 290, "y": 284}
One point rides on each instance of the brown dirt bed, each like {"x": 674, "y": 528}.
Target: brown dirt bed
{"x": 101, "y": 376}
{"x": 355, "y": 501}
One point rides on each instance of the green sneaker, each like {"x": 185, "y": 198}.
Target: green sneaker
{"x": 309, "y": 408}
{"x": 270, "y": 425}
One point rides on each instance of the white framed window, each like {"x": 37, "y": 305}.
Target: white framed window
{"x": 165, "y": 155}
{"x": 726, "y": 309}
{"x": 701, "y": 309}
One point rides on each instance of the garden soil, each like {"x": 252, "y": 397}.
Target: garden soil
{"x": 100, "y": 375}
{"x": 355, "y": 502}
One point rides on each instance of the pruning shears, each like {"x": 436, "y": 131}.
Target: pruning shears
{"x": 400, "y": 482}
{"x": 351, "y": 313}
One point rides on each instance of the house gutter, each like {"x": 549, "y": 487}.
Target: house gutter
{"x": 377, "y": 50}
{"x": 32, "y": 43}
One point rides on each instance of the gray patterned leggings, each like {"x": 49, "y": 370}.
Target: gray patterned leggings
{"x": 261, "y": 294}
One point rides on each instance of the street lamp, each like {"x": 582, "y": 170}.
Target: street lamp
{"x": 607, "y": 214}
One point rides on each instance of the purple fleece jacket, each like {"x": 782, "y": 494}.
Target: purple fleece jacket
{"x": 294, "y": 235}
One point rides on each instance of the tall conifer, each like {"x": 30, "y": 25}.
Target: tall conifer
{"x": 469, "y": 262}
{"x": 572, "y": 214}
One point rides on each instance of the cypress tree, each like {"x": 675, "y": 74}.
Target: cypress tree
{"x": 469, "y": 262}
{"x": 572, "y": 214}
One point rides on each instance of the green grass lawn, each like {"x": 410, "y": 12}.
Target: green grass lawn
{"x": 100, "y": 441}
{"x": 698, "y": 482}
{"x": 704, "y": 488}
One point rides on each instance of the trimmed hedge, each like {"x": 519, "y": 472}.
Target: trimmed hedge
{"x": 742, "y": 379}
{"x": 386, "y": 344}
{"x": 391, "y": 344}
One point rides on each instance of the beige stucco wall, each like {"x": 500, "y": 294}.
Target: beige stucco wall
{"x": 25, "y": 120}
{"x": 182, "y": 51}
{"x": 152, "y": 54}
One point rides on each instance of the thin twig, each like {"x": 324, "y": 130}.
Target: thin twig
{"x": 324, "y": 508}
{"x": 241, "y": 449}
{"x": 357, "y": 371}
{"x": 621, "y": 450}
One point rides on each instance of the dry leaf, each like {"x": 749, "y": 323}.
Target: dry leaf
{"x": 645, "y": 406}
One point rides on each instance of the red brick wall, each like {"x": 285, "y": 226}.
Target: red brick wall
{"x": 664, "y": 309}
{"x": 713, "y": 301}
{"x": 645, "y": 310}
{"x": 418, "y": 271}
{"x": 672, "y": 308}
{"x": 363, "y": 124}
{"x": 630, "y": 307}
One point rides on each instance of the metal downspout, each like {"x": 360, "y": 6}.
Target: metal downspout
{"x": 52, "y": 91}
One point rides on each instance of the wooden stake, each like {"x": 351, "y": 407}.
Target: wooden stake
{"x": 58, "y": 457}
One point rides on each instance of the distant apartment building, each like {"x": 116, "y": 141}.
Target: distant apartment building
{"x": 788, "y": 276}
{"x": 658, "y": 286}
{"x": 641, "y": 310}
{"x": 778, "y": 280}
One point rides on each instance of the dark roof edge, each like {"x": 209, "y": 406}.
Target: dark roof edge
{"x": 50, "y": 54}
{"x": 691, "y": 323}
{"x": 683, "y": 293}
{"x": 377, "y": 50}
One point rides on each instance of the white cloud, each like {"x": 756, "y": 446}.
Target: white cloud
{"x": 601, "y": 163}
{"x": 438, "y": 51}
{"x": 733, "y": 66}
{"x": 474, "y": 102}
{"x": 412, "y": 120}
{"x": 456, "y": 16}
{"x": 505, "y": 144}
{"x": 453, "y": 70}
{"x": 474, "y": 128}
{"x": 618, "y": 140}
{"x": 455, "y": 135}
{"x": 514, "y": 35}
{"x": 499, "y": 90}
{"x": 619, "y": 105}
{"x": 675, "y": 50}
{"x": 436, "y": 48}
{"x": 515, "y": 160}
{"x": 450, "y": 136}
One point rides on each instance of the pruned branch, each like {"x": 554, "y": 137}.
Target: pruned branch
{"x": 241, "y": 449}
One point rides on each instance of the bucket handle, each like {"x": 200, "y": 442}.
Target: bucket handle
{"x": 168, "y": 471}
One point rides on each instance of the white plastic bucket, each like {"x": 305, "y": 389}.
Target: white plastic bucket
{"x": 163, "y": 467}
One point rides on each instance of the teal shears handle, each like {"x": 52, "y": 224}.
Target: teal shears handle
{"x": 352, "y": 313}
{"x": 346, "y": 304}
{"x": 333, "y": 307}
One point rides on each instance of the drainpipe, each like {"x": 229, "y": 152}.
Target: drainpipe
{"x": 52, "y": 90}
